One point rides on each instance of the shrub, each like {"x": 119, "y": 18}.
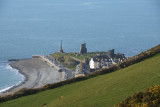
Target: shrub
{"x": 149, "y": 98}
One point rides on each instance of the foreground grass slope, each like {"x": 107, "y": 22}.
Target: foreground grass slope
{"x": 101, "y": 91}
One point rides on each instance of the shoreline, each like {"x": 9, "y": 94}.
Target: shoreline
{"x": 18, "y": 84}
{"x": 36, "y": 72}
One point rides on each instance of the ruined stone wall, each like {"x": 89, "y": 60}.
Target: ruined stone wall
{"x": 110, "y": 53}
{"x": 83, "y": 49}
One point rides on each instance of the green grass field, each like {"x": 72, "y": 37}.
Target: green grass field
{"x": 101, "y": 91}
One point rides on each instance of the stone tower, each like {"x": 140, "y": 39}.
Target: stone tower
{"x": 110, "y": 53}
{"x": 61, "y": 50}
{"x": 83, "y": 49}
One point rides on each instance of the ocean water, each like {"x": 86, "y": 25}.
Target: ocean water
{"x": 29, "y": 27}
{"x": 9, "y": 77}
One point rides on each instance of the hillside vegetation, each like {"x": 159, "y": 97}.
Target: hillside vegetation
{"x": 149, "y": 98}
{"x": 100, "y": 91}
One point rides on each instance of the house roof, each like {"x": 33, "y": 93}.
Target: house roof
{"x": 95, "y": 60}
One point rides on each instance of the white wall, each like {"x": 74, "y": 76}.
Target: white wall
{"x": 91, "y": 64}
{"x": 94, "y": 65}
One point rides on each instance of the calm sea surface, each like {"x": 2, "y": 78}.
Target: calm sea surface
{"x": 29, "y": 27}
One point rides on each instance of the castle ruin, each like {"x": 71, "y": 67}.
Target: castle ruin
{"x": 83, "y": 49}
{"x": 110, "y": 53}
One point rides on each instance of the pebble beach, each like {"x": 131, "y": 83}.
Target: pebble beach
{"x": 37, "y": 74}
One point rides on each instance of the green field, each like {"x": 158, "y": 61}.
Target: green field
{"x": 101, "y": 91}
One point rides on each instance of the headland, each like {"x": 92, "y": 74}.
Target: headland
{"x": 42, "y": 70}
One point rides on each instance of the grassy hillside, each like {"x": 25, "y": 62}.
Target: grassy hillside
{"x": 101, "y": 91}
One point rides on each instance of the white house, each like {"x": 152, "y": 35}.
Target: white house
{"x": 94, "y": 64}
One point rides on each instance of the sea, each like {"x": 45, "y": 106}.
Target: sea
{"x": 35, "y": 27}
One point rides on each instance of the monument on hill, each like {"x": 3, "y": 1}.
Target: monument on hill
{"x": 83, "y": 49}
{"x": 61, "y": 50}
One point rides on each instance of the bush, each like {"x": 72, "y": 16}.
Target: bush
{"x": 149, "y": 98}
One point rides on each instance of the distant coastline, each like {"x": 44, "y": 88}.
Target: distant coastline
{"x": 39, "y": 72}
